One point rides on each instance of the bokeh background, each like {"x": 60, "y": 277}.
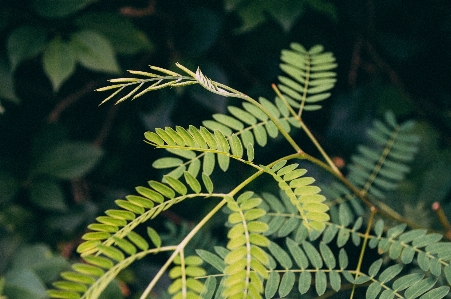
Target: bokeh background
{"x": 64, "y": 159}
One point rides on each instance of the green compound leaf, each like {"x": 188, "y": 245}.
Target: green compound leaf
{"x": 305, "y": 199}
{"x": 305, "y": 281}
{"x": 151, "y": 194}
{"x": 212, "y": 259}
{"x": 310, "y": 76}
{"x": 419, "y": 288}
{"x": 154, "y": 237}
{"x": 208, "y": 163}
{"x": 207, "y": 183}
{"x": 176, "y": 184}
{"x": 280, "y": 255}
{"x": 167, "y": 162}
{"x": 209, "y": 288}
{"x": 320, "y": 282}
{"x": 237, "y": 147}
{"x": 250, "y": 152}
{"x": 437, "y": 293}
{"x": 162, "y": 188}
{"x": 245, "y": 252}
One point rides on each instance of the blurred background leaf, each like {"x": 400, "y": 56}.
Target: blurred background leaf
{"x": 94, "y": 51}
{"x": 123, "y": 35}
{"x": 58, "y": 61}
{"x": 68, "y": 160}
{"x": 59, "y": 8}
{"x": 25, "y": 42}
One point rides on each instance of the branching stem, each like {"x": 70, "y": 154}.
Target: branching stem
{"x": 196, "y": 229}
{"x": 362, "y": 252}
{"x": 307, "y": 130}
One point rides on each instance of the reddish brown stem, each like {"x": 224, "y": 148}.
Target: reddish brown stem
{"x": 70, "y": 100}
{"x": 133, "y": 12}
{"x": 437, "y": 208}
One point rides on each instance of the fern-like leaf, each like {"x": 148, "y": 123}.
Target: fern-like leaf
{"x": 378, "y": 170}
{"x": 112, "y": 245}
{"x": 375, "y": 170}
{"x": 183, "y": 274}
{"x": 310, "y": 76}
{"x": 415, "y": 245}
{"x": 302, "y": 194}
{"x": 185, "y": 143}
{"x": 246, "y": 262}
{"x": 388, "y": 283}
{"x": 320, "y": 266}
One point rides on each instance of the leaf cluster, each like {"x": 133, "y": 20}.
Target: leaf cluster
{"x": 272, "y": 241}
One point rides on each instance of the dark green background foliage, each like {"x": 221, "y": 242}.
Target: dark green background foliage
{"x": 64, "y": 160}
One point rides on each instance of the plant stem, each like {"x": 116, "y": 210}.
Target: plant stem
{"x": 320, "y": 148}
{"x": 262, "y": 108}
{"x": 306, "y": 130}
{"x": 381, "y": 207}
{"x": 181, "y": 246}
{"x": 196, "y": 229}
{"x": 362, "y": 252}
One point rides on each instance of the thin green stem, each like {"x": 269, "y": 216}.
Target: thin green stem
{"x": 280, "y": 95}
{"x": 320, "y": 148}
{"x": 381, "y": 207}
{"x": 196, "y": 229}
{"x": 181, "y": 246}
{"x": 276, "y": 122}
{"x": 362, "y": 252}
{"x": 306, "y": 130}
{"x": 306, "y": 84}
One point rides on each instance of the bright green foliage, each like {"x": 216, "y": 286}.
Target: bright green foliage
{"x": 246, "y": 262}
{"x": 202, "y": 140}
{"x": 311, "y": 76}
{"x": 184, "y": 285}
{"x": 277, "y": 245}
{"x": 302, "y": 195}
{"x": 112, "y": 244}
